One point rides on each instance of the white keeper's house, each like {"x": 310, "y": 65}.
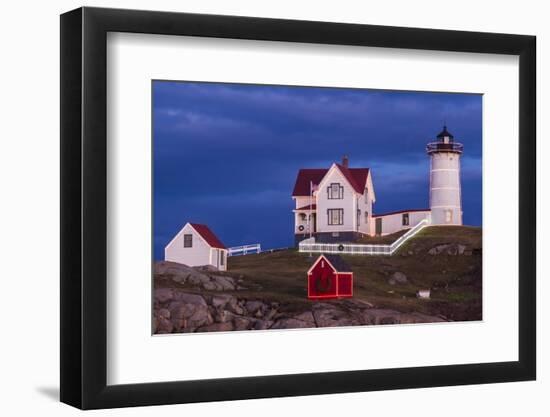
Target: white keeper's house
{"x": 196, "y": 245}
{"x": 336, "y": 203}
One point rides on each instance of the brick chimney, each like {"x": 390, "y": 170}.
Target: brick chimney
{"x": 345, "y": 161}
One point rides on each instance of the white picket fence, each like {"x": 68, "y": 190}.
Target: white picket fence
{"x": 244, "y": 250}
{"x": 309, "y": 245}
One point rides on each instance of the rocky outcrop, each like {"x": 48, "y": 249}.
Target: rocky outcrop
{"x": 398, "y": 278}
{"x": 204, "y": 278}
{"x": 178, "y": 311}
{"x": 450, "y": 249}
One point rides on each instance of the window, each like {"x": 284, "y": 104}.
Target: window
{"x": 366, "y": 195}
{"x": 222, "y": 257}
{"x": 366, "y": 216}
{"x": 405, "y": 219}
{"x": 448, "y": 216}
{"x": 335, "y": 216}
{"x": 187, "y": 241}
{"x": 358, "y": 217}
{"x": 335, "y": 191}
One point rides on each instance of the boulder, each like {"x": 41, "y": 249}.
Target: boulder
{"x": 164, "y": 313}
{"x": 221, "y": 300}
{"x": 254, "y": 306}
{"x": 449, "y": 249}
{"x": 216, "y": 327}
{"x": 398, "y": 278}
{"x": 291, "y": 323}
{"x": 331, "y": 316}
{"x": 241, "y": 323}
{"x": 306, "y": 316}
{"x": 164, "y": 326}
{"x": 162, "y": 295}
{"x": 262, "y": 324}
{"x": 194, "y": 276}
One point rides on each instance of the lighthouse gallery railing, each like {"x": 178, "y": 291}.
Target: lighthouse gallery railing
{"x": 310, "y": 246}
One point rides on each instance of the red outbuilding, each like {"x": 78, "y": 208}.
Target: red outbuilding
{"x": 329, "y": 277}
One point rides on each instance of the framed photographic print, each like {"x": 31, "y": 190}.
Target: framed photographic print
{"x": 258, "y": 208}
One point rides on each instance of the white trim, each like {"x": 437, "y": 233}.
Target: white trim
{"x": 309, "y": 271}
{"x": 334, "y": 166}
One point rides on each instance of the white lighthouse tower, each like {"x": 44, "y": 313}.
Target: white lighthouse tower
{"x": 445, "y": 195}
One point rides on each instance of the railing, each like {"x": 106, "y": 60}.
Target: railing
{"x": 244, "y": 250}
{"x": 309, "y": 245}
{"x": 444, "y": 147}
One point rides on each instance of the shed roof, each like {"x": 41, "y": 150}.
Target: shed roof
{"x": 208, "y": 235}
{"x": 337, "y": 262}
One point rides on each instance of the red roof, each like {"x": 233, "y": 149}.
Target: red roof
{"x": 308, "y": 207}
{"x": 398, "y": 212}
{"x": 208, "y": 235}
{"x": 357, "y": 177}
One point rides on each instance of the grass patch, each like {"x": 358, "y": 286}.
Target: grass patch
{"x": 455, "y": 280}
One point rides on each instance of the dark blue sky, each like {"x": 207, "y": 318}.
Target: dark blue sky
{"x": 227, "y": 154}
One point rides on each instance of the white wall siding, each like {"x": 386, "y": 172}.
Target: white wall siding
{"x": 199, "y": 254}
{"x": 323, "y": 203}
{"x": 392, "y": 223}
{"x": 365, "y": 205}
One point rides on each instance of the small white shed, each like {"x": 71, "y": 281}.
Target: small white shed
{"x": 196, "y": 245}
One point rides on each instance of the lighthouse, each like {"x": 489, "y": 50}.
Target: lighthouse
{"x": 445, "y": 195}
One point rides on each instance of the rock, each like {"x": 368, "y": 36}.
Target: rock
{"x": 188, "y": 298}
{"x": 306, "y": 316}
{"x": 164, "y": 326}
{"x": 254, "y": 306}
{"x": 262, "y": 324}
{"x": 225, "y": 283}
{"x": 221, "y": 300}
{"x": 381, "y": 316}
{"x": 449, "y": 249}
{"x": 194, "y": 276}
{"x": 234, "y": 307}
{"x": 271, "y": 314}
{"x": 217, "y": 327}
{"x": 413, "y": 318}
{"x": 163, "y": 295}
{"x": 223, "y": 316}
{"x": 330, "y": 316}
{"x": 290, "y": 323}
{"x": 241, "y": 323}
{"x": 164, "y": 313}
{"x": 190, "y": 310}
{"x": 398, "y": 278}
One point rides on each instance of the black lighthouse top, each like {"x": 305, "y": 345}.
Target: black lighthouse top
{"x": 445, "y": 143}
{"x": 445, "y": 133}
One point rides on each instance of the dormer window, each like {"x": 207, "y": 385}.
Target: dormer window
{"x": 335, "y": 191}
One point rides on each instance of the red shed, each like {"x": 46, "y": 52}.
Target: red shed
{"x": 329, "y": 277}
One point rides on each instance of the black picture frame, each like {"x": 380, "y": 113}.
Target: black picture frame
{"x": 84, "y": 207}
